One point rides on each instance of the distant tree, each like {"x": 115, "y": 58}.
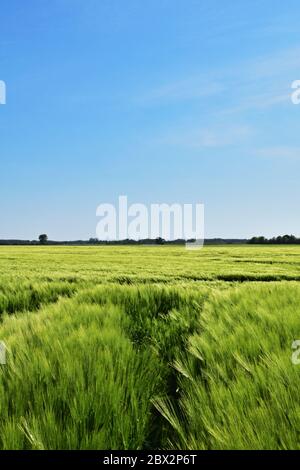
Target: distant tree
{"x": 43, "y": 239}
{"x": 288, "y": 239}
{"x": 280, "y": 240}
{"x": 93, "y": 241}
{"x": 258, "y": 240}
{"x": 159, "y": 241}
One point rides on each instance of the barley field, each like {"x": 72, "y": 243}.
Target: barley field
{"x": 149, "y": 347}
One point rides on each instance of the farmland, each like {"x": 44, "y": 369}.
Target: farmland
{"x": 149, "y": 347}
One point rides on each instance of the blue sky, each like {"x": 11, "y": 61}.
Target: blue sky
{"x": 160, "y": 100}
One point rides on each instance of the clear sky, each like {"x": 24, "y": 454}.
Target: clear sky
{"x": 160, "y": 100}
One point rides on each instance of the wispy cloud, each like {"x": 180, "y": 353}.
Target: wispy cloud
{"x": 280, "y": 63}
{"x": 214, "y": 137}
{"x": 181, "y": 90}
{"x": 257, "y": 83}
{"x": 279, "y": 152}
{"x": 259, "y": 102}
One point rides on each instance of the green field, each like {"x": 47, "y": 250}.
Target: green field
{"x": 149, "y": 347}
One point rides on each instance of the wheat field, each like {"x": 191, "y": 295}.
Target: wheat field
{"x": 149, "y": 347}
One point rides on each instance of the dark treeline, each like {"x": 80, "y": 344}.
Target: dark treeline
{"x": 147, "y": 241}
{"x": 281, "y": 240}
{"x": 284, "y": 240}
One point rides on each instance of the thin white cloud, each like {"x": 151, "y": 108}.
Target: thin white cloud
{"x": 285, "y": 152}
{"x": 257, "y": 83}
{"x": 181, "y": 90}
{"x": 202, "y": 138}
{"x": 281, "y": 63}
{"x": 259, "y": 102}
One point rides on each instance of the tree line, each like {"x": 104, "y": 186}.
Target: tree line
{"x": 43, "y": 240}
{"x": 281, "y": 240}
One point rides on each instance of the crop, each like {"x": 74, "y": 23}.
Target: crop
{"x": 149, "y": 347}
